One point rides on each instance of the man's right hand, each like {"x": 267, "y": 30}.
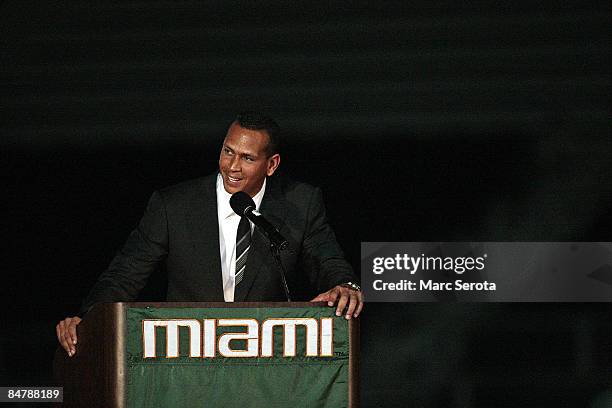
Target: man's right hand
{"x": 67, "y": 334}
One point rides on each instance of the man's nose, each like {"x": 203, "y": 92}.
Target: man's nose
{"x": 235, "y": 164}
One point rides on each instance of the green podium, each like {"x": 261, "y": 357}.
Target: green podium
{"x": 212, "y": 355}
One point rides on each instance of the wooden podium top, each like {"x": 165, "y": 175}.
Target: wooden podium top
{"x": 222, "y": 304}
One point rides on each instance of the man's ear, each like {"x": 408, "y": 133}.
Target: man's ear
{"x": 273, "y": 163}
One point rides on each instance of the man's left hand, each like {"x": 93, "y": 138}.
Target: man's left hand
{"x": 344, "y": 297}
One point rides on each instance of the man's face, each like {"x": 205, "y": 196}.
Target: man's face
{"x": 243, "y": 161}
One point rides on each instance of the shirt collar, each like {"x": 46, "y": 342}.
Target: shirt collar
{"x": 223, "y": 198}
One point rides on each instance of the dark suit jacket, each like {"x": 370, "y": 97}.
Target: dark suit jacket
{"x": 180, "y": 228}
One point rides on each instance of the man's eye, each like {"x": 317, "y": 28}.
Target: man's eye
{"x": 248, "y": 158}
{"x": 227, "y": 151}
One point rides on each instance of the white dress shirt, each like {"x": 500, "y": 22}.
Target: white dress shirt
{"x": 228, "y": 227}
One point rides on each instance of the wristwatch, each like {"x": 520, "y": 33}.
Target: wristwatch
{"x": 352, "y": 285}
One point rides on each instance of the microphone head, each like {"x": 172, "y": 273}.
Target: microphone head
{"x": 242, "y": 203}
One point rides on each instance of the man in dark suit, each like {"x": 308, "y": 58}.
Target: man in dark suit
{"x": 191, "y": 228}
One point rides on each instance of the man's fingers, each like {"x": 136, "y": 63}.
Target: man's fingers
{"x": 360, "y": 305}
{"x": 66, "y": 334}
{"x": 352, "y": 304}
{"x": 331, "y": 298}
{"x": 321, "y": 298}
{"x": 68, "y": 342}
{"x": 72, "y": 329}
{"x": 344, "y": 297}
{"x": 72, "y": 333}
{"x": 61, "y": 336}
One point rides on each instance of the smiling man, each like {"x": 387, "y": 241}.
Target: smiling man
{"x": 212, "y": 254}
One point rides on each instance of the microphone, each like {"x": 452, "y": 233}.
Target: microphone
{"x": 243, "y": 205}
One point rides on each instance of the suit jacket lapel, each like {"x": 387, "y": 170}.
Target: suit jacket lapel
{"x": 206, "y": 247}
{"x": 260, "y": 259}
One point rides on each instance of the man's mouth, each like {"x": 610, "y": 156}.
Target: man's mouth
{"x": 233, "y": 179}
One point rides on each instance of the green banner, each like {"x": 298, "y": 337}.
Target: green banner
{"x": 236, "y": 357}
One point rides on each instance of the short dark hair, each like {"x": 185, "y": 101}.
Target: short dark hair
{"x": 258, "y": 121}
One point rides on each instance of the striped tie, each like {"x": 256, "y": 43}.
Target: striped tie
{"x": 243, "y": 243}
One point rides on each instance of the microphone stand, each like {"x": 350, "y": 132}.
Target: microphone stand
{"x": 276, "y": 254}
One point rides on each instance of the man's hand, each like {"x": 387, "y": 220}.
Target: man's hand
{"x": 67, "y": 334}
{"x": 345, "y": 298}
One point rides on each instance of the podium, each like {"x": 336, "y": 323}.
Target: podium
{"x": 182, "y": 354}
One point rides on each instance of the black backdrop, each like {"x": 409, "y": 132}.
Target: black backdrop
{"x": 420, "y": 122}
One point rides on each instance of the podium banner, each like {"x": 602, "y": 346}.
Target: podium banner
{"x": 236, "y": 357}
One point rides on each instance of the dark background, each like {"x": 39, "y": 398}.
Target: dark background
{"x": 420, "y": 122}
